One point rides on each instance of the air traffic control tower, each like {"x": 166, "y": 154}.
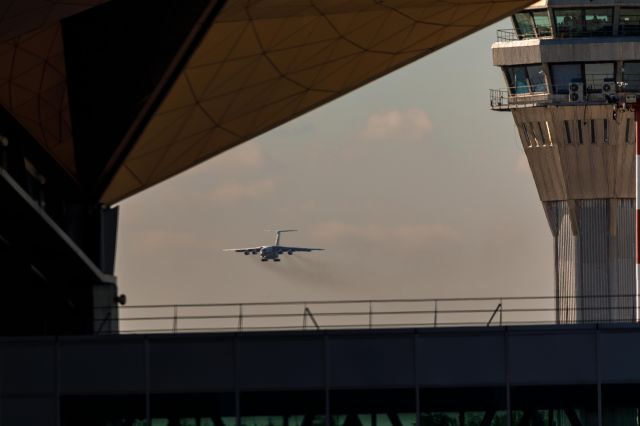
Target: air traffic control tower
{"x": 567, "y": 65}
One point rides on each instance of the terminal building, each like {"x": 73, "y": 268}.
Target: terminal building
{"x": 101, "y": 99}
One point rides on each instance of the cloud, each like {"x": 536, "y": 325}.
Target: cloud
{"x": 404, "y": 235}
{"x": 235, "y": 192}
{"x": 412, "y": 124}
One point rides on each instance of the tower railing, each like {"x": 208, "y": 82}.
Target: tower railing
{"x": 378, "y": 314}
{"x": 505, "y": 99}
{"x": 510, "y": 34}
{"x": 522, "y": 96}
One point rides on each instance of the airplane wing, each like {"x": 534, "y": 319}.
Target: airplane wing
{"x": 295, "y": 249}
{"x": 245, "y": 250}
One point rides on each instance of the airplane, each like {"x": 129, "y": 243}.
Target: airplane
{"x": 273, "y": 252}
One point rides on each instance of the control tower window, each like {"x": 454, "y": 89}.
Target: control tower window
{"x": 565, "y": 74}
{"x": 542, "y": 23}
{"x": 631, "y": 76}
{"x": 525, "y": 79}
{"x": 597, "y": 74}
{"x": 629, "y": 23}
{"x": 524, "y": 24}
{"x": 533, "y": 23}
{"x": 518, "y": 82}
{"x": 569, "y": 22}
{"x": 584, "y": 22}
{"x": 536, "y": 78}
{"x": 598, "y": 22}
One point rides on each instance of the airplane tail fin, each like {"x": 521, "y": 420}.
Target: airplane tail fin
{"x": 278, "y": 231}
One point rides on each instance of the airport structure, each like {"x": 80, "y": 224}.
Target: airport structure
{"x": 101, "y": 99}
{"x": 570, "y": 67}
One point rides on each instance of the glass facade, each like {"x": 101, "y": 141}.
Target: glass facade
{"x": 517, "y": 77}
{"x": 598, "y": 22}
{"x": 534, "y": 23}
{"x": 596, "y": 78}
{"x": 542, "y": 23}
{"x": 103, "y": 410}
{"x": 554, "y": 405}
{"x": 389, "y": 407}
{"x": 599, "y": 76}
{"x": 484, "y": 406}
{"x": 282, "y": 408}
{"x": 620, "y": 403}
{"x": 583, "y": 22}
{"x": 524, "y": 24}
{"x": 471, "y": 406}
{"x": 629, "y": 21}
{"x": 525, "y": 79}
{"x": 631, "y": 76}
{"x": 537, "y": 81}
{"x": 577, "y": 22}
{"x": 569, "y": 22}
{"x": 564, "y": 74}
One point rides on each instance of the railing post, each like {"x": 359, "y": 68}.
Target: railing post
{"x": 495, "y": 311}
{"x": 304, "y": 317}
{"x": 175, "y": 318}
{"x": 307, "y": 311}
{"x": 240, "y": 317}
{"x": 370, "y": 315}
{"x": 435, "y": 313}
{"x": 501, "y": 308}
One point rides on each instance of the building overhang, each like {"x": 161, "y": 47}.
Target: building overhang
{"x": 124, "y": 107}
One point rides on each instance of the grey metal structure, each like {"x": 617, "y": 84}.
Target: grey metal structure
{"x": 574, "y": 375}
{"x": 353, "y": 314}
{"x": 569, "y": 65}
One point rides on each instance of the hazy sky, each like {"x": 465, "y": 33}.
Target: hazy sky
{"x": 414, "y": 187}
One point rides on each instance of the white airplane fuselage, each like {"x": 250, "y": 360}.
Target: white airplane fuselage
{"x": 271, "y": 253}
{"x": 274, "y": 251}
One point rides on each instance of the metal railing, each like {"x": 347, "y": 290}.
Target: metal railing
{"x": 359, "y": 314}
{"x": 505, "y": 99}
{"x": 510, "y": 34}
{"x": 508, "y": 98}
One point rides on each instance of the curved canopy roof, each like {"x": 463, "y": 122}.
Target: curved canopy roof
{"x": 209, "y": 76}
